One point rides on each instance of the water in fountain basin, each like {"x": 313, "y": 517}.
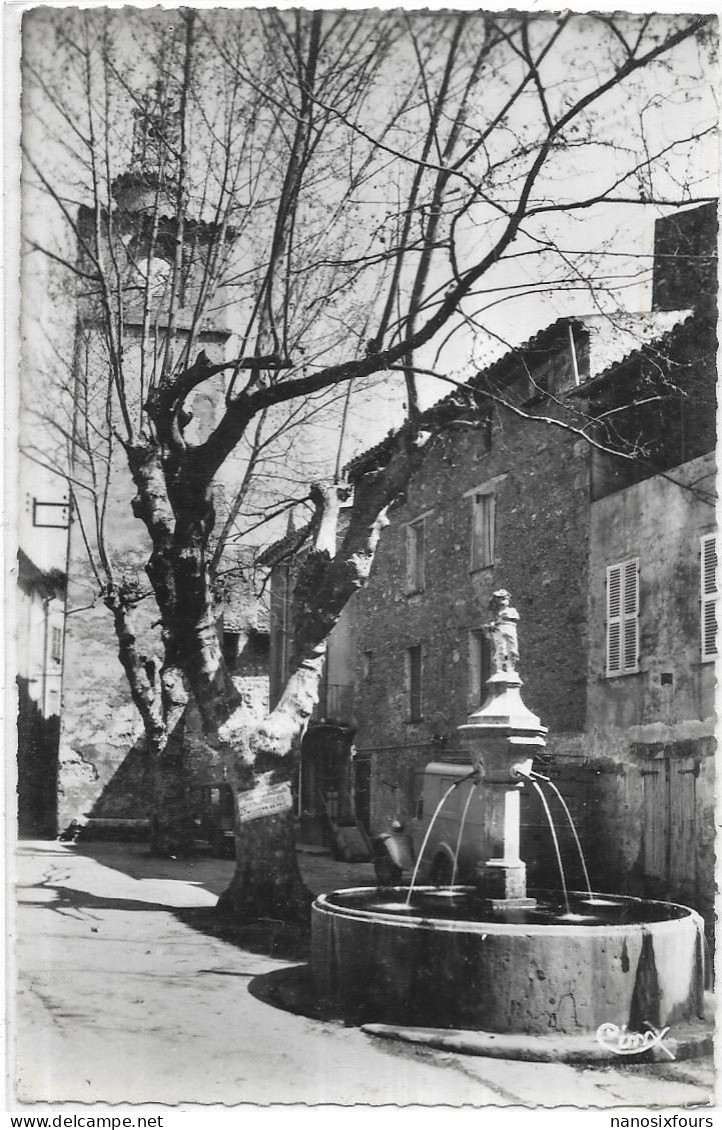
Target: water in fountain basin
{"x": 463, "y": 903}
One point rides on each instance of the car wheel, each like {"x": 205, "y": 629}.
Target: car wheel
{"x": 388, "y": 874}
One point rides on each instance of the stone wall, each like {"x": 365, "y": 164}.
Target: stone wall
{"x": 672, "y": 695}
{"x": 652, "y": 732}
{"x": 101, "y": 768}
{"x": 539, "y": 475}
{"x": 640, "y": 747}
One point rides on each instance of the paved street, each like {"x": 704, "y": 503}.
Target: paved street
{"x": 125, "y": 994}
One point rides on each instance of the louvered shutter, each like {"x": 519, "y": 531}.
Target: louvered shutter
{"x": 630, "y": 656}
{"x": 623, "y": 618}
{"x": 482, "y": 532}
{"x": 614, "y": 620}
{"x": 708, "y": 584}
{"x": 415, "y": 556}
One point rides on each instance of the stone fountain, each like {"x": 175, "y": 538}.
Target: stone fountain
{"x": 493, "y": 957}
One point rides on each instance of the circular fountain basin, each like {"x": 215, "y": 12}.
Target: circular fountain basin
{"x": 448, "y": 960}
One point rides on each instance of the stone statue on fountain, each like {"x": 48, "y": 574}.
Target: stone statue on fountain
{"x": 502, "y": 634}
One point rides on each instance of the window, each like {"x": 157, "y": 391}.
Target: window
{"x": 231, "y": 643}
{"x": 482, "y": 530}
{"x": 484, "y": 433}
{"x": 56, "y": 644}
{"x": 623, "y": 618}
{"x": 479, "y": 667}
{"x": 413, "y": 682}
{"x": 415, "y": 555}
{"x": 708, "y": 586}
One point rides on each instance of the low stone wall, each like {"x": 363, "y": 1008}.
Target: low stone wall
{"x": 119, "y": 831}
{"x": 653, "y": 823}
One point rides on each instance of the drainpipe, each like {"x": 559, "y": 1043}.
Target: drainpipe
{"x": 66, "y": 605}
{"x": 407, "y": 745}
{"x": 44, "y": 684}
{"x": 573, "y": 352}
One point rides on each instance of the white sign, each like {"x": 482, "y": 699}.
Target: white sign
{"x": 266, "y": 800}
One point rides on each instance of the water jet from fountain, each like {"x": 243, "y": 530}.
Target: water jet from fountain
{"x": 565, "y": 806}
{"x": 433, "y": 820}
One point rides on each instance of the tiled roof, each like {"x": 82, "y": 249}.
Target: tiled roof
{"x": 284, "y": 547}
{"x": 612, "y": 338}
{"x": 645, "y": 346}
{"x": 51, "y": 582}
{"x": 445, "y": 411}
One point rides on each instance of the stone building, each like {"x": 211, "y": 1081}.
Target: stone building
{"x": 39, "y": 620}
{"x": 41, "y": 599}
{"x": 610, "y": 562}
{"x": 652, "y": 630}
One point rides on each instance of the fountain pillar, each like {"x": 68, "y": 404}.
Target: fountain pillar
{"x": 502, "y": 736}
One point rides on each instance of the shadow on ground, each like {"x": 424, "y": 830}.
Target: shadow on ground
{"x": 292, "y": 990}
{"x": 289, "y": 989}
{"x": 135, "y": 861}
{"x": 269, "y": 937}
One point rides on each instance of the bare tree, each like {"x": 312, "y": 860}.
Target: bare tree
{"x": 346, "y": 186}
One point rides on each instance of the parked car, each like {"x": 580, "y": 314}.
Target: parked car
{"x": 463, "y": 813}
{"x": 396, "y": 851}
{"x": 213, "y": 817}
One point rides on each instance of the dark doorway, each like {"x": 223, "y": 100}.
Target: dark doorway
{"x": 325, "y": 782}
{"x": 37, "y": 768}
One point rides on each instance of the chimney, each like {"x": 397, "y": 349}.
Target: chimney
{"x": 685, "y": 260}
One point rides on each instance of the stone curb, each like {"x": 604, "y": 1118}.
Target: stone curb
{"x": 691, "y": 1041}
{"x": 292, "y": 989}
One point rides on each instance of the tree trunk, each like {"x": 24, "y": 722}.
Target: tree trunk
{"x": 267, "y": 882}
{"x": 172, "y": 828}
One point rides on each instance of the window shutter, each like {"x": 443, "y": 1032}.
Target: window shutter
{"x": 614, "y": 620}
{"x": 482, "y": 531}
{"x": 415, "y": 556}
{"x": 420, "y": 577}
{"x": 623, "y": 618}
{"x": 631, "y": 616}
{"x": 709, "y": 596}
{"x": 410, "y": 558}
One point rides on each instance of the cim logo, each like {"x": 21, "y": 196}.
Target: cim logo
{"x": 623, "y": 1042}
